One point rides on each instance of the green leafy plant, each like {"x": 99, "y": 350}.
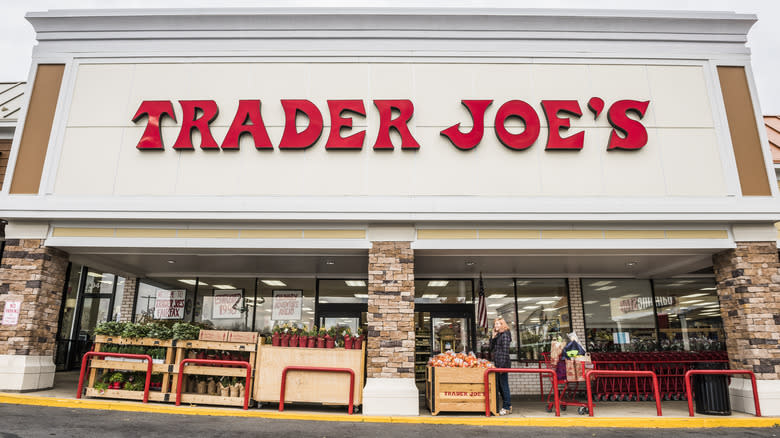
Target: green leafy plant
{"x": 110, "y": 328}
{"x": 116, "y": 378}
{"x": 183, "y": 331}
{"x": 160, "y": 331}
{"x": 101, "y": 386}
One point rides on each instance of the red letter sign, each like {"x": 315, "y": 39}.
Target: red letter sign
{"x": 524, "y": 140}
{"x": 470, "y": 140}
{"x": 555, "y": 124}
{"x": 248, "y": 110}
{"x": 291, "y": 138}
{"x": 635, "y": 134}
{"x": 386, "y": 121}
{"x": 190, "y": 121}
{"x": 335, "y": 140}
{"x": 155, "y": 110}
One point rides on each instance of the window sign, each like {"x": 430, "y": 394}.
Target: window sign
{"x": 228, "y": 303}
{"x": 286, "y": 305}
{"x": 169, "y": 304}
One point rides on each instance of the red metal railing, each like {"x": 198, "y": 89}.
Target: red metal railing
{"x": 522, "y": 371}
{"x": 243, "y": 364}
{"x": 616, "y": 373}
{"x": 145, "y": 357}
{"x": 720, "y": 373}
{"x": 323, "y": 370}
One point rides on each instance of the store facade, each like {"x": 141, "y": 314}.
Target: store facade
{"x": 597, "y": 172}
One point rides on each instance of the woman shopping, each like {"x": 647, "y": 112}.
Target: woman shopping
{"x": 499, "y": 344}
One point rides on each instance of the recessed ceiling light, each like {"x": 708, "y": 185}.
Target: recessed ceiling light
{"x": 601, "y": 283}
{"x": 708, "y": 288}
{"x": 191, "y": 282}
{"x": 268, "y": 310}
{"x": 330, "y": 262}
{"x": 550, "y": 309}
{"x": 171, "y": 261}
{"x": 521, "y": 299}
{"x": 323, "y": 301}
{"x": 438, "y": 283}
{"x": 277, "y": 283}
{"x": 606, "y": 287}
{"x": 591, "y": 302}
{"x": 524, "y": 283}
{"x": 355, "y": 283}
{"x": 360, "y": 295}
{"x": 694, "y": 295}
{"x": 430, "y": 296}
{"x": 306, "y": 308}
{"x": 470, "y": 262}
{"x": 496, "y": 295}
{"x": 531, "y": 307}
{"x": 494, "y": 305}
{"x": 94, "y": 274}
{"x": 690, "y": 301}
{"x": 545, "y": 302}
{"x": 223, "y": 286}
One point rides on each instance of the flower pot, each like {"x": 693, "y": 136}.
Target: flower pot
{"x": 348, "y": 342}
{"x": 321, "y": 342}
{"x": 329, "y": 342}
{"x": 302, "y": 341}
{"x": 294, "y": 341}
{"x": 276, "y": 340}
{"x": 241, "y": 390}
{"x": 235, "y": 391}
{"x": 192, "y": 354}
{"x": 201, "y": 355}
{"x": 285, "y": 340}
{"x": 224, "y": 391}
{"x": 211, "y": 388}
{"x": 202, "y": 387}
{"x": 312, "y": 342}
{"x": 357, "y": 343}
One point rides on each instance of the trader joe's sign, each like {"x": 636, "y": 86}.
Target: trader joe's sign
{"x": 287, "y": 305}
{"x": 169, "y": 304}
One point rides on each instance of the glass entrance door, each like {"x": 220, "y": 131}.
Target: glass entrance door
{"x": 450, "y": 333}
{"x": 439, "y": 328}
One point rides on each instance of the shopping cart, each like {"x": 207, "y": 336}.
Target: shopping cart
{"x": 568, "y": 390}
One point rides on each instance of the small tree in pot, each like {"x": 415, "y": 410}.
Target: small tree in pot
{"x": 312, "y": 341}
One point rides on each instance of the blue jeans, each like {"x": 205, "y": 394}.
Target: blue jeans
{"x": 503, "y": 389}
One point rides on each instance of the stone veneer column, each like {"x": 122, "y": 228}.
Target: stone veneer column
{"x": 128, "y": 299}
{"x": 35, "y": 276}
{"x": 390, "y": 388}
{"x": 577, "y": 311}
{"x": 749, "y": 294}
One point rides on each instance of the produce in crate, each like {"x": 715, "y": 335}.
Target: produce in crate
{"x": 451, "y": 359}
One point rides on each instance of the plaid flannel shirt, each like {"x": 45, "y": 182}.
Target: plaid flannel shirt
{"x": 500, "y": 347}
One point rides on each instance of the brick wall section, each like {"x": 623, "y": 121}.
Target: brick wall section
{"x": 34, "y": 275}
{"x": 390, "y": 317}
{"x": 128, "y": 298}
{"x": 577, "y": 311}
{"x": 749, "y": 294}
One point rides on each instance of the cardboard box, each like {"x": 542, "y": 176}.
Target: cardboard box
{"x": 244, "y": 337}
{"x": 214, "y": 335}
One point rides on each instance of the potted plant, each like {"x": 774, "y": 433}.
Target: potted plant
{"x": 330, "y": 338}
{"x": 101, "y": 387}
{"x": 303, "y": 338}
{"x": 211, "y": 386}
{"x": 116, "y": 381}
{"x": 235, "y": 390}
{"x": 224, "y": 387}
{"x": 321, "y": 338}
{"x": 294, "y": 336}
{"x": 357, "y": 342}
{"x": 276, "y": 337}
{"x": 285, "y": 336}
{"x": 202, "y": 386}
{"x": 312, "y": 342}
{"x": 347, "y": 338}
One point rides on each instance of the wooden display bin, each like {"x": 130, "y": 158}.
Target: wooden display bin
{"x": 307, "y": 386}
{"x": 216, "y": 371}
{"x": 458, "y": 390}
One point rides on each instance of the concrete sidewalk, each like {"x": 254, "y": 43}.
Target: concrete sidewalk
{"x": 527, "y": 412}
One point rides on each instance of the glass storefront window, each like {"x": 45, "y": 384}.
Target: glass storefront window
{"x": 619, "y": 315}
{"x": 224, "y": 302}
{"x": 543, "y": 315}
{"x": 120, "y": 292}
{"x": 69, "y": 306}
{"x": 500, "y": 301}
{"x": 146, "y": 298}
{"x": 442, "y": 292}
{"x": 688, "y": 315}
{"x": 343, "y": 291}
{"x": 263, "y": 305}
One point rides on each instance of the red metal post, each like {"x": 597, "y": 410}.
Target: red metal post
{"x": 244, "y": 364}
{"x": 690, "y": 373}
{"x": 318, "y": 369}
{"x": 618, "y": 373}
{"x": 521, "y": 371}
{"x": 89, "y": 354}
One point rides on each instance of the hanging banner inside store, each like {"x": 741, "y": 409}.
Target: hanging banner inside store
{"x": 228, "y": 303}
{"x": 169, "y": 304}
{"x": 627, "y": 133}
{"x": 287, "y": 305}
{"x": 11, "y": 312}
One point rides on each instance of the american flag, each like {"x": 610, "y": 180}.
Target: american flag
{"x": 481, "y": 306}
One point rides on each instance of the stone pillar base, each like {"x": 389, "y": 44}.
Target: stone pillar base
{"x": 26, "y": 373}
{"x": 383, "y": 396}
{"x": 741, "y": 393}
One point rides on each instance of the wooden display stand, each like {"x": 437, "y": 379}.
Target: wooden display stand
{"x": 210, "y": 399}
{"x": 98, "y": 364}
{"x": 305, "y": 386}
{"x": 458, "y": 390}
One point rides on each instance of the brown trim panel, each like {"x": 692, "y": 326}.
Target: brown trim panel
{"x": 744, "y": 132}
{"x": 5, "y": 151}
{"x": 37, "y": 128}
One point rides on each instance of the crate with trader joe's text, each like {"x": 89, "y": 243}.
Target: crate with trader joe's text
{"x": 458, "y": 390}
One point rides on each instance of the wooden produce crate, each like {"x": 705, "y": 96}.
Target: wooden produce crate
{"x": 216, "y": 371}
{"x": 458, "y": 390}
{"x": 308, "y": 386}
{"x": 106, "y": 364}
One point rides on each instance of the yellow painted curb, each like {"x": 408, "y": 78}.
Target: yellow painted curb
{"x": 627, "y": 422}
